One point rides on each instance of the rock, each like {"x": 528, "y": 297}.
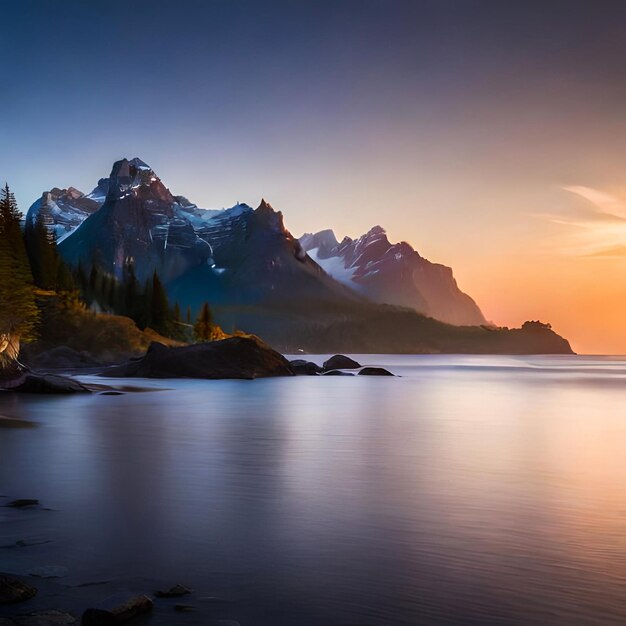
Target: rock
{"x": 235, "y": 357}
{"x": 111, "y": 393}
{"x": 341, "y": 362}
{"x": 44, "y": 383}
{"x": 305, "y": 368}
{"x": 184, "y": 608}
{"x": 117, "y": 609}
{"x": 22, "y": 502}
{"x": 337, "y": 373}
{"x": 173, "y": 592}
{"x": 375, "y": 371}
{"x": 48, "y": 571}
{"x": 13, "y": 590}
{"x": 51, "y": 617}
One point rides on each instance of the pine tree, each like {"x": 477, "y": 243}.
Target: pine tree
{"x": 189, "y": 314}
{"x": 18, "y": 309}
{"x": 42, "y": 253}
{"x": 176, "y": 312}
{"x": 159, "y": 305}
{"x": 204, "y": 327}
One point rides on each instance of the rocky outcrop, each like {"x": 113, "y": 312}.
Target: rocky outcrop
{"x": 235, "y": 357}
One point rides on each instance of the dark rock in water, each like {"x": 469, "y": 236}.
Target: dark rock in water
{"x": 302, "y": 367}
{"x": 173, "y": 592}
{"x": 235, "y": 357}
{"x": 22, "y": 502}
{"x": 13, "y": 590}
{"x": 117, "y": 609}
{"x": 184, "y": 608}
{"x": 63, "y": 357}
{"x": 375, "y": 371}
{"x": 337, "y": 373}
{"x": 48, "y": 571}
{"x": 45, "y": 384}
{"x": 341, "y": 362}
{"x": 51, "y": 617}
{"x": 111, "y": 393}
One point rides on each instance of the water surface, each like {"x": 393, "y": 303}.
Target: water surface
{"x": 468, "y": 490}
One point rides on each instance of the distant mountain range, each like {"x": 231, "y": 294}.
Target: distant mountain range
{"x": 246, "y": 263}
{"x": 393, "y": 274}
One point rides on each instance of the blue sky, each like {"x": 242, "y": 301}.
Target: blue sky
{"x": 456, "y": 124}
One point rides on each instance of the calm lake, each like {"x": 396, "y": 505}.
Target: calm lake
{"x": 467, "y": 490}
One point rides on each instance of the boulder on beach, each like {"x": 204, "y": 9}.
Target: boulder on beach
{"x": 236, "y": 357}
{"x": 375, "y": 371}
{"x": 301, "y": 367}
{"x": 341, "y": 362}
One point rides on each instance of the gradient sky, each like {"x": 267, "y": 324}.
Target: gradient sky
{"x": 489, "y": 134}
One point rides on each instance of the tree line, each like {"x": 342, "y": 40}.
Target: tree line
{"x": 30, "y": 267}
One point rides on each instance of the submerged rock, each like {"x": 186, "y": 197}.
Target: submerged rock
{"x": 173, "y": 592}
{"x": 48, "y": 571}
{"x": 22, "y": 502}
{"x": 52, "y": 617}
{"x": 117, "y": 609}
{"x": 13, "y": 590}
{"x": 45, "y": 384}
{"x": 301, "y": 367}
{"x": 341, "y": 362}
{"x": 235, "y": 357}
{"x": 375, "y": 371}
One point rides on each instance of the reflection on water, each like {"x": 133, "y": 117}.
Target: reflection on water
{"x": 471, "y": 489}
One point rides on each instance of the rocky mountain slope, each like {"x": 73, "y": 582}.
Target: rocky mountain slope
{"x": 393, "y": 274}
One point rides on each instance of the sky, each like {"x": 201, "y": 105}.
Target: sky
{"x": 490, "y": 135}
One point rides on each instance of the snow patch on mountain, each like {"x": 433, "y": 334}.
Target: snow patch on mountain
{"x": 335, "y": 267}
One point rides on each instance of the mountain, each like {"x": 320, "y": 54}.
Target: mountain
{"x": 393, "y": 274}
{"x": 232, "y": 256}
{"x": 139, "y": 223}
{"x": 259, "y": 278}
{"x": 62, "y": 210}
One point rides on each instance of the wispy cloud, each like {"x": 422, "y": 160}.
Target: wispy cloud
{"x": 604, "y": 204}
{"x": 599, "y": 223}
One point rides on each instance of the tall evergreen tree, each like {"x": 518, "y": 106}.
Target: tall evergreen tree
{"x": 18, "y": 309}
{"x": 204, "y": 326}
{"x": 42, "y": 253}
{"x": 159, "y": 305}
